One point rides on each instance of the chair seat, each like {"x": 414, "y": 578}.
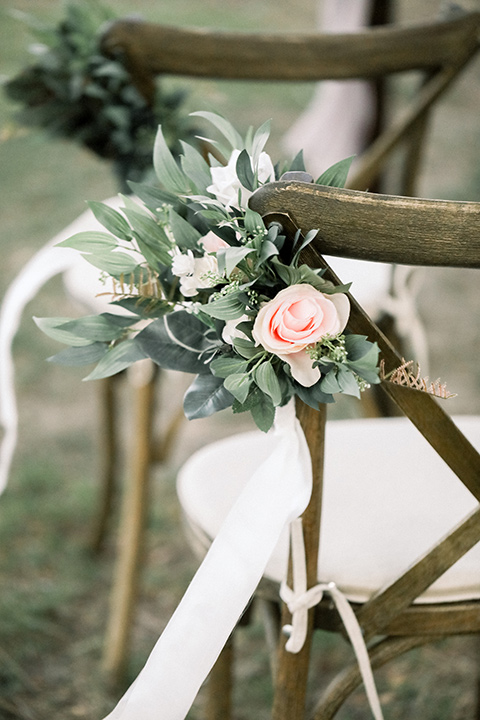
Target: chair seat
{"x": 377, "y": 517}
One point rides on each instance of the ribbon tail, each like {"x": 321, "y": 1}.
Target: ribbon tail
{"x": 186, "y": 651}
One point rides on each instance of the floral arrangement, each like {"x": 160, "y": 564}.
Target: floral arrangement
{"x": 73, "y": 90}
{"x": 205, "y": 287}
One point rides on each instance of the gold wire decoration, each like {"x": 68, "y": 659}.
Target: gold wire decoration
{"x": 408, "y": 375}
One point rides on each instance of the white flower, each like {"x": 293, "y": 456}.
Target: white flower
{"x": 183, "y": 263}
{"x": 225, "y": 185}
{"x": 230, "y": 331}
{"x": 203, "y": 275}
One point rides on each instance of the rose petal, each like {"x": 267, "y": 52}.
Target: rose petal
{"x": 301, "y": 367}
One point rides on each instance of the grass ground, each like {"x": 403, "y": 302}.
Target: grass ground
{"x": 53, "y": 593}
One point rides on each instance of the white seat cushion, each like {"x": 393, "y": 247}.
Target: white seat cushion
{"x": 388, "y": 498}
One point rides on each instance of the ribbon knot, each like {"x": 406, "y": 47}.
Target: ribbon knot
{"x": 300, "y": 600}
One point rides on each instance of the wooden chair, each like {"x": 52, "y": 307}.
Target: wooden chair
{"x": 440, "y": 49}
{"x": 400, "y": 521}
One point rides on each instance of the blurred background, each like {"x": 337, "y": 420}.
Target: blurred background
{"x": 53, "y": 592}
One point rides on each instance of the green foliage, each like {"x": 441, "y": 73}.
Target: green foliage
{"x": 199, "y": 268}
{"x": 74, "y": 91}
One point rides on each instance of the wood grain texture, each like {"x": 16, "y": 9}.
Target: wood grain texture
{"x": 379, "y": 51}
{"x": 382, "y": 228}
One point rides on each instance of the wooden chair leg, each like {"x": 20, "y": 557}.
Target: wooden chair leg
{"x": 132, "y": 523}
{"x": 220, "y": 685}
{"x": 109, "y": 455}
{"x": 292, "y": 672}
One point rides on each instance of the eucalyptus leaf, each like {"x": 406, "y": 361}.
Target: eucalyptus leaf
{"x": 116, "y": 359}
{"x": 205, "y": 396}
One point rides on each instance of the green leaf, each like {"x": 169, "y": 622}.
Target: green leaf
{"x": 367, "y": 365}
{"x": 246, "y": 348}
{"x": 90, "y": 241}
{"x": 195, "y": 167}
{"x": 51, "y": 327}
{"x": 313, "y": 395}
{"x": 186, "y": 236}
{"x": 80, "y": 355}
{"x": 347, "y": 382}
{"x": 267, "y": 251}
{"x": 228, "y": 307}
{"x": 166, "y": 168}
{"x": 162, "y": 342}
{"x": 153, "y": 197}
{"x": 225, "y": 366}
{"x": 227, "y": 130}
{"x": 111, "y": 219}
{"x": 228, "y": 258}
{"x": 238, "y": 384}
{"x": 336, "y": 175}
{"x": 298, "y": 163}
{"x": 244, "y": 170}
{"x": 267, "y": 381}
{"x": 259, "y": 140}
{"x": 114, "y": 263}
{"x": 152, "y": 239}
{"x": 253, "y": 221}
{"x": 357, "y": 346}
{"x": 263, "y": 412}
{"x": 96, "y": 327}
{"x": 329, "y": 384}
{"x": 117, "y": 359}
{"x": 205, "y": 396}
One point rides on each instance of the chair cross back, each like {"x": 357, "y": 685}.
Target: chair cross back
{"x": 354, "y": 224}
{"x": 441, "y": 49}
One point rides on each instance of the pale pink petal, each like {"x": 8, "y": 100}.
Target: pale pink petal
{"x": 301, "y": 367}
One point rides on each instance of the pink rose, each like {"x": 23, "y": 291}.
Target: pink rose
{"x": 212, "y": 243}
{"x": 297, "y": 317}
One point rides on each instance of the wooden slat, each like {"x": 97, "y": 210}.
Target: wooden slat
{"x": 375, "y": 615}
{"x": 383, "y": 228}
{"x": 206, "y": 53}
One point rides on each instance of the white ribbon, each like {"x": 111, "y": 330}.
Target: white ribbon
{"x": 300, "y": 600}
{"x": 276, "y": 494}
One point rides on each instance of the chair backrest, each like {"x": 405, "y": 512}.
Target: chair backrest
{"x": 402, "y": 230}
{"x": 440, "y": 49}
